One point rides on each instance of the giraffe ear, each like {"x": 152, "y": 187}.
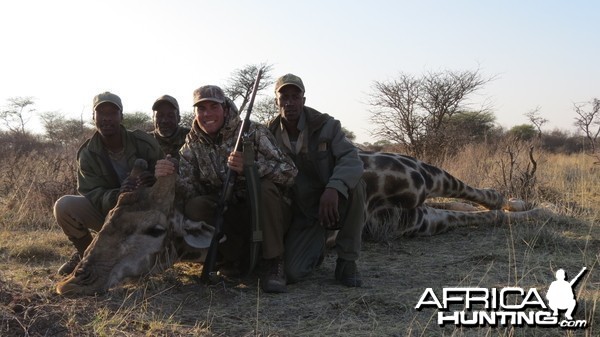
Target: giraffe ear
{"x": 197, "y": 234}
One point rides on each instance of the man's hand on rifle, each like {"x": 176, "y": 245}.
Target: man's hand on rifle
{"x": 235, "y": 161}
{"x": 164, "y": 167}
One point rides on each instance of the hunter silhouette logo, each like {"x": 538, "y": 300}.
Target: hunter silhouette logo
{"x": 508, "y": 306}
{"x": 560, "y": 294}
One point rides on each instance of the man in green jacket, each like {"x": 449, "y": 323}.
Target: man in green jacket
{"x": 103, "y": 165}
{"x": 328, "y": 192}
{"x": 167, "y": 131}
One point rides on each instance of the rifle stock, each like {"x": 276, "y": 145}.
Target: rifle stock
{"x": 208, "y": 274}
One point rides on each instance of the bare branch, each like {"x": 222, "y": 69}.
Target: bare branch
{"x": 416, "y": 112}
{"x": 17, "y": 114}
{"x": 588, "y": 121}
{"x": 537, "y": 120}
{"x": 241, "y": 82}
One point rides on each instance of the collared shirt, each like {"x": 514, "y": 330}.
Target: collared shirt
{"x": 300, "y": 144}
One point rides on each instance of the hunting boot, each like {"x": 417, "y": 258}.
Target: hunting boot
{"x": 274, "y": 280}
{"x": 80, "y": 244}
{"x": 347, "y": 273}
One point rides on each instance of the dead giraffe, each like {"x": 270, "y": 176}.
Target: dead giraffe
{"x": 398, "y": 186}
{"x": 144, "y": 233}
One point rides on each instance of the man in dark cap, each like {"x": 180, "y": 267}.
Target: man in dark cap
{"x": 328, "y": 193}
{"x": 167, "y": 131}
{"x": 103, "y": 165}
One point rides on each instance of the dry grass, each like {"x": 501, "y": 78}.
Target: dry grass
{"x": 395, "y": 272}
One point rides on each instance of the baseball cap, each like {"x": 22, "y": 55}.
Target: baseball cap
{"x": 165, "y": 98}
{"x": 209, "y": 93}
{"x": 107, "y": 97}
{"x": 289, "y": 79}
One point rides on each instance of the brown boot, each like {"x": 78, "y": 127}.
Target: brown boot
{"x": 81, "y": 245}
{"x": 68, "y": 267}
{"x": 274, "y": 280}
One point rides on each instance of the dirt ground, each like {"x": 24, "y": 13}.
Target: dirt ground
{"x": 395, "y": 275}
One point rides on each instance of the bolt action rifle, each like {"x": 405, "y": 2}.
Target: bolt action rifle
{"x": 208, "y": 275}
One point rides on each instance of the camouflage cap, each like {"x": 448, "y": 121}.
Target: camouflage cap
{"x": 289, "y": 79}
{"x": 165, "y": 98}
{"x": 209, "y": 93}
{"x": 107, "y": 97}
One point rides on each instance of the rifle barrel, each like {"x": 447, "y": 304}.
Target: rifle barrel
{"x": 574, "y": 280}
{"x": 246, "y": 121}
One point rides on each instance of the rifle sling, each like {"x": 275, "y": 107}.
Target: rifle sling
{"x": 254, "y": 196}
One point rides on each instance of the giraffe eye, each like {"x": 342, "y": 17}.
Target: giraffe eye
{"x": 155, "y": 231}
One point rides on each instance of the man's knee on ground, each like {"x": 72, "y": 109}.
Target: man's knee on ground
{"x": 299, "y": 268}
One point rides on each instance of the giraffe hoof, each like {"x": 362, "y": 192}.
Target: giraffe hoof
{"x": 515, "y": 205}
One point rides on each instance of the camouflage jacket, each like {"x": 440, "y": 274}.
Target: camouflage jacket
{"x": 203, "y": 161}
{"x": 96, "y": 178}
{"x": 171, "y": 145}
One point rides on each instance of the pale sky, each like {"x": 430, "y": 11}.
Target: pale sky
{"x": 62, "y": 53}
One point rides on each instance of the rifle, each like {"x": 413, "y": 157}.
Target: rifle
{"x": 208, "y": 275}
{"x": 576, "y": 278}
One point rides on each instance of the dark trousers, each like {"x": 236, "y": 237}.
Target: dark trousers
{"x": 305, "y": 242}
{"x": 238, "y": 222}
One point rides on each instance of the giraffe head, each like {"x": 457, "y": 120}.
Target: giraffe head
{"x": 141, "y": 234}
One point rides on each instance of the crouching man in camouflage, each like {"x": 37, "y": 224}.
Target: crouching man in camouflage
{"x": 204, "y": 159}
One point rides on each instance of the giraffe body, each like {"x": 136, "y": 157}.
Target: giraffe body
{"x": 398, "y": 187}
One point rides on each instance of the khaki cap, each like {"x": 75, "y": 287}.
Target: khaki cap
{"x": 107, "y": 97}
{"x": 209, "y": 93}
{"x": 165, "y": 98}
{"x": 289, "y": 79}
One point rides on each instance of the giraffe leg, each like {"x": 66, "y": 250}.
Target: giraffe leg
{"x": 446, "y": 185}
{"x": 443, "y": 184}
{"x": 426, "y": 221}
{"x": 453, "y": 206}
{"x": 390, "y": 222}
{"x": 436, "y": 221}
